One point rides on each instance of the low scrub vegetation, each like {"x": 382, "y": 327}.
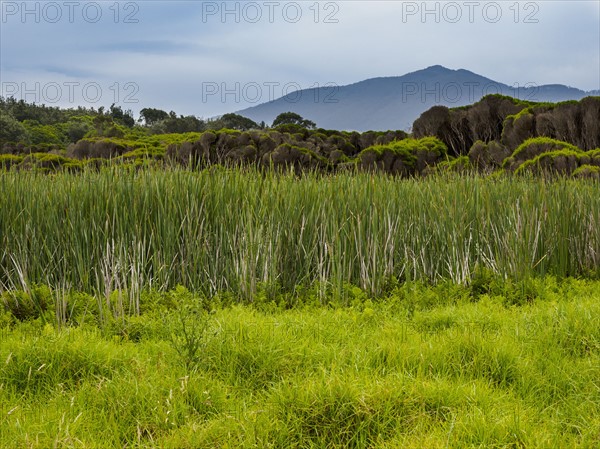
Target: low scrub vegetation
{"x": 498, "y": 134}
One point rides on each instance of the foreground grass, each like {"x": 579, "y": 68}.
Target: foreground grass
{"x": 445, "y": 366}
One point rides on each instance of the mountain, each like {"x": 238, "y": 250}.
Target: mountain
{"x": 396, "y": 102}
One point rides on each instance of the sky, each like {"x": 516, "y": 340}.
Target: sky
{"x": 209, "y": 58}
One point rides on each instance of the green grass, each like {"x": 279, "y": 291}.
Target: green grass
{"x": 495, "y": 365}
{"x": 243, "y": 308}
{"x": 222, "y": 230}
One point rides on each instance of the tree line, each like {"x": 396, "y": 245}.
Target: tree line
{"x": 42, "y": 127}
{"x": 497, "y": 133}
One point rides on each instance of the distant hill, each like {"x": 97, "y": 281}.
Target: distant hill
{"x": 396, "y": 102}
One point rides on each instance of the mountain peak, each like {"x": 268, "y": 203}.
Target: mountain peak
{"x": 396, "y": 102}
{"x": 437, "y": 69}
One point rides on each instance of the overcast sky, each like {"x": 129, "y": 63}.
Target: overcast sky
{"x": 190, "y": 56}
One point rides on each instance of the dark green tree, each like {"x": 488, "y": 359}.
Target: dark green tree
{"x": 44, "y": 115}
{"x": 291, "y": 118}
{"x": 77, "y": 129}
{"x": 179, "y": 124}
{"x": 124, "y": 118}
{"x": 11, "y": 130}
{"x": 150, "y": 116}
{"x": 235, "y": 121}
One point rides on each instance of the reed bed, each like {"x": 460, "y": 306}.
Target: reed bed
{"x": 239, "y": 230}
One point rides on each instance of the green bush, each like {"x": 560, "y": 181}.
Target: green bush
{"x": 11, "y": 130}
{"x": 487, "y": 157}
{"x": 403, "y": 157}
{"x": 29, "y": 305}
{"x": 587, "y": 172}
{"x": 46, "y": 134}
{"x": 46, "y": 162}
{"x": 9, "y": 160}
{"x": 460, "y": 164}
{"x": 563, "y": 162}
{"x": 534, "y": 147}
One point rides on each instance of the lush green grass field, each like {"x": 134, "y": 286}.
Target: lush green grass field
{"x": 425, "y": 367}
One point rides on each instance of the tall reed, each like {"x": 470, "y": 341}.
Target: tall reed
{"x": 234, "y": 230}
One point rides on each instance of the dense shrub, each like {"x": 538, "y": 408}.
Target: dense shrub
{"x": 11, "y": 130}
{"x": 563, "y": 162}
{"x": 534, "y": 147}
{"x": 340, "y": 144}
{"x": 46, "y": 134}
{"x": 392, "y": 159}
{"x": 587, "y": 171}
{"x": 404, "y": 157}
{"x": 487, "y": 157}
{"x": 44, "y": 161}
{"x": 266, "y": 144}
{"x": 242, "y": 155}
{"x": 26, "y": 305}
{"x": 460, "y": 127}
{"x": 496, "y": 132}
{"x": 286, "y": 155}
{"x": 85, "y": 149}
{"x": 77, "y": 129}
{"x": 9, "y": 160}
{"x": 575, "y": 122}
{"x": 594, "y": 157}
{"x": 511, "y": 122}
{"x": 461, "y": 165}
{"x": 145, "y": 153}
{"x": 517, "y": 129}
{"x": 292, "y": 128}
